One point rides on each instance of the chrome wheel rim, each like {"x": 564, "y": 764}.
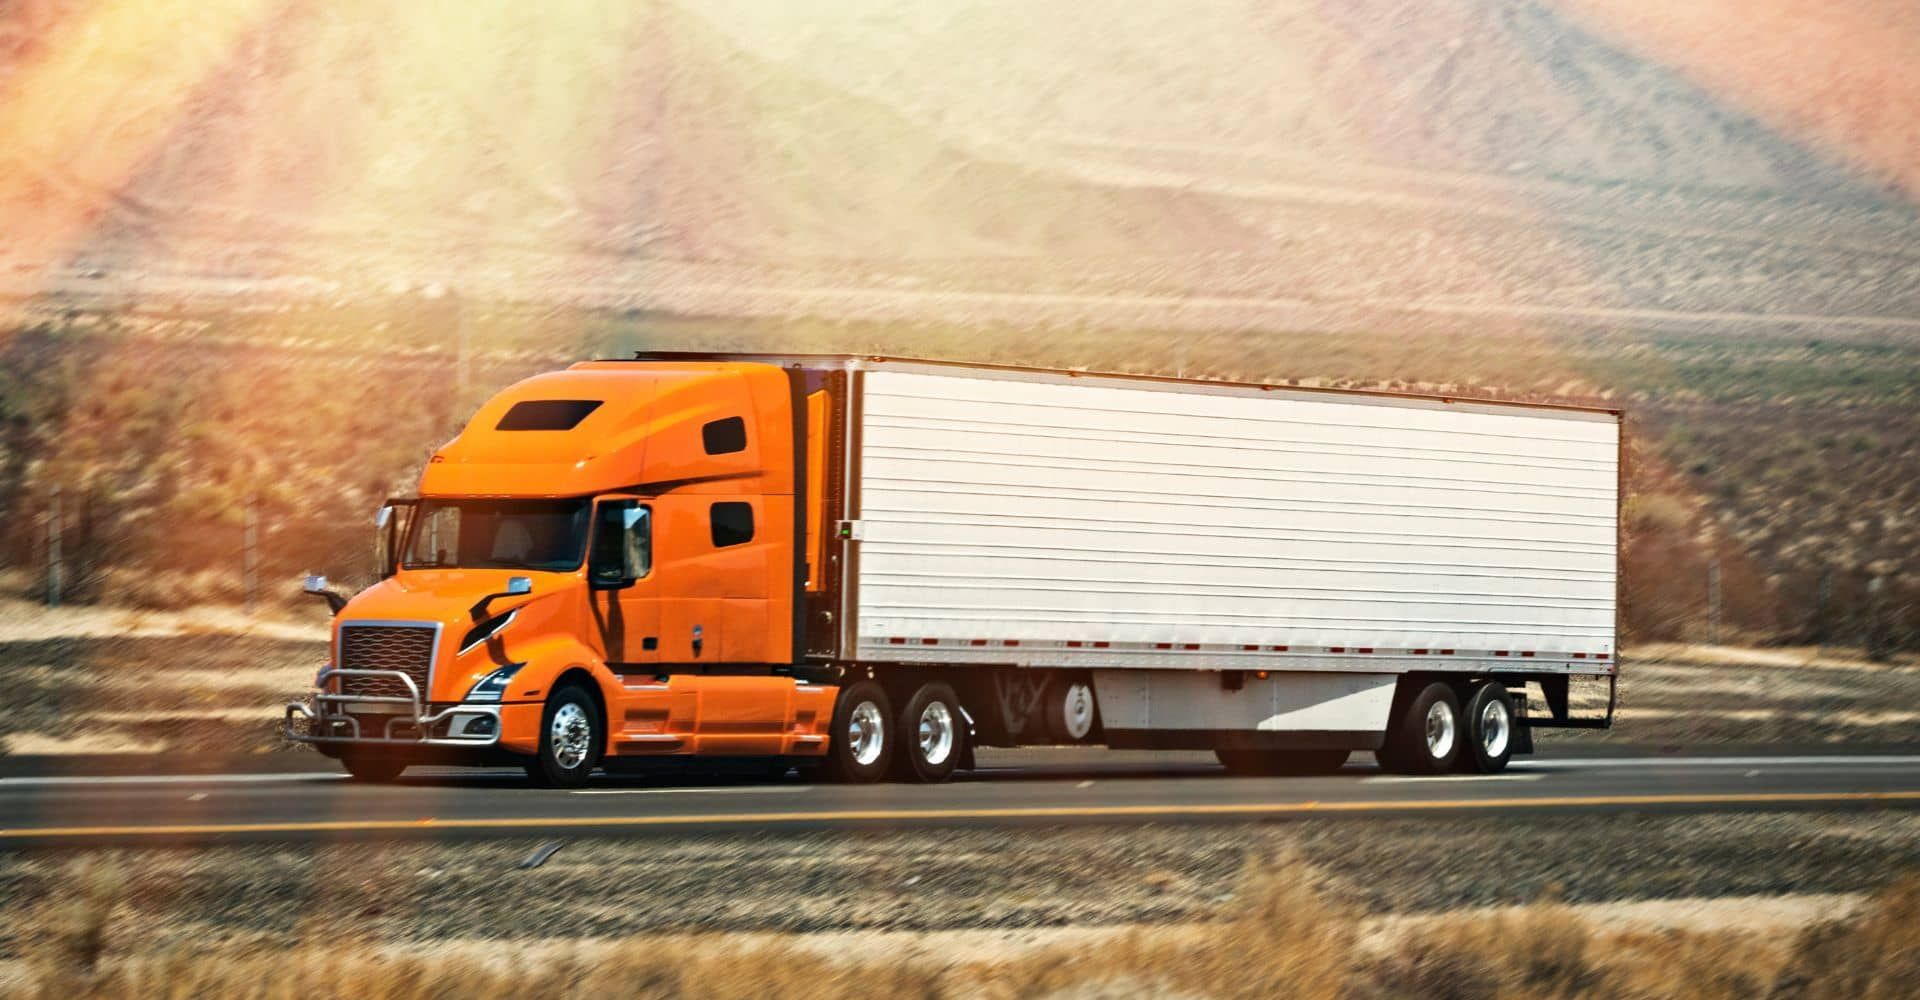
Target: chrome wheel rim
{"x": 1494, "y": 729}
{"x": 571, "y": 735}
{"x": 1439, "y": 730}
{"x": 1079, "y": 714}
{"x": 866, "y": 733}
{"x": 936, "y": 733}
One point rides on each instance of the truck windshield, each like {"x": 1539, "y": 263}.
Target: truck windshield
{"x": 543, "y": 535}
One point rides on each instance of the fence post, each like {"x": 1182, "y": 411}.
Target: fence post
{"x": 249, "y": 551}
{"x": 55, "y": 566}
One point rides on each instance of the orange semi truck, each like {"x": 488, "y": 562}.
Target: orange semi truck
{"x": 870, "y": 566}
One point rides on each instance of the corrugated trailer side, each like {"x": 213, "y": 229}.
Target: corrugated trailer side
{"x": 1313, "y": 545}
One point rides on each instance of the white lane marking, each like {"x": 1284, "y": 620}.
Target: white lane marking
{"x": 1394, "y": 779}
{"x": 1841, "y": 760}
{"x": 197, "y": 797}
{"x": 706, "y": 791}
{"x": 1084, "y": 784}
{"x": 169, "y": 779}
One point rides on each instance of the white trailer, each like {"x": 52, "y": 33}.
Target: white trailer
{"x": 1281, "y": 574}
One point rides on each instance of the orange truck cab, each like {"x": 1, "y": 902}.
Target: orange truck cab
{"x": 605, "y": 562}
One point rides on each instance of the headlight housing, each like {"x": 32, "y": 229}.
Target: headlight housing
{"x": 493, "y": 687}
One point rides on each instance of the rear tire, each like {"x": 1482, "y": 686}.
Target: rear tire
{"x": 1490, "y": 729}
{"x": 371, "y": 769}
{"x": 860, "y": 746}
{"x": 932, "y": 735}
{"x": 1426, "y": 736}
{"x": 1073, "y": 715}
{"x": 571, "y": 739}
{"x": 1271, "y": 763}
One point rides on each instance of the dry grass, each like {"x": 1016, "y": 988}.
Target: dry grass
{"x": 1283, "y": 936}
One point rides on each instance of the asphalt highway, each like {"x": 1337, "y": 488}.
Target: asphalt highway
{"x": 1027, "y": 786}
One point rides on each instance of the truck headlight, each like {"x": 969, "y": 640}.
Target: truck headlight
{"x": 494, "y": 686}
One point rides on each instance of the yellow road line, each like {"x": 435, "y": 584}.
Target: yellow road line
{"x": 544, "y": 824}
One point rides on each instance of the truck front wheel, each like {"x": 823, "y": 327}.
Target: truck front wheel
{"x": 860, "y": 747}
{"x": 570, "y": 739}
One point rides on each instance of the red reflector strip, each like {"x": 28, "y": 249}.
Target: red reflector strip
{"x": 929, "y": 642}
{"x": 1163, "y": 645}
{"x": 1419, "y": 652}
{"x": 1527, "y": 653}
{"x": 1278, "y": 649}
{"x": 1500, "y": 652}
{"x": 978, "y": 642}
{"x": 1446, "y": 652}
{"x": 1073, "y": 644}
{"x": 1011, "y": 642}
{"x": 1101, "y": 645}
{"x": 1336, "y": 649}
{"x": 1579, "y": 656}
{"x": 898, "y": 640}
{"x": 1364, "y": 649}
{"x": 1250, "y": 649}
{"x": 1599, "y": 656}
{"x": 1191, "y": 645}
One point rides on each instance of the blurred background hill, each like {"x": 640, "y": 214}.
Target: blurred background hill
{"x": 265, "y": 256}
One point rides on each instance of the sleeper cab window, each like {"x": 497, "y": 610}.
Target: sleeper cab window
{"x": 724, "y": 437}
{"x": 622, "y": 544}
{"x": 731, "y": 522}
{"x": 546, "y": 414}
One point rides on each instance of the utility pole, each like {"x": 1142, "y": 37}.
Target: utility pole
{"x": 1713, "y": 598}
{"x": 249, "y": 551}
{"x": 54, "y": 566}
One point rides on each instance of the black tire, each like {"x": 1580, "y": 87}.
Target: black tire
{"x": 1408, "y": 750}
{"x": 1073, "y": 713}
{"x": 371, "y": 768}
{"x": 850, "y": 759}
{"x": 1489, "y": 729}
{"x": 1269, "y": 763}
{"x": 557, "y": 766}
{"x": 933, "y": 710}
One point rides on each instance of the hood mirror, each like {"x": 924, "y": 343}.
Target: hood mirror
{"x": 317, "y": 586}
{"x": 517, "y": 586}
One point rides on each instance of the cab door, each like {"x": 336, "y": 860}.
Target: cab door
{"x": 623, "y": 591}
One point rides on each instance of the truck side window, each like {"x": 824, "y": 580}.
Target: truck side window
{"x": 724, "y": 437}
{"x": 622, "y": 544}
{"x": 731, "y": 522}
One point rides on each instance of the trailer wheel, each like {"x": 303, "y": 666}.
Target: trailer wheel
{"x": 1269, "y": 763}
{"x": 372, "y": 769}
{"x": 1073, "y": 716}
{"x": 570, "y": 739}
{"x": 1425, "y": 737}
{"x": 1490, "y": 729}
{"x": 860, "y": 748}
{"x": 932, "y": 735}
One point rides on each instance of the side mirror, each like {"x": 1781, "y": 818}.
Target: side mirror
{"x": 317, "y": 586}
{"x": 517, "y": 586}
{"x": 386, "y": 540}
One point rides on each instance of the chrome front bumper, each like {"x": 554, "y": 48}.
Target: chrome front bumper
{"x": 329, "y": 720}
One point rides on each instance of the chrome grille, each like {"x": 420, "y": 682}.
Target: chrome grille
{"x": 406, "y": 648}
